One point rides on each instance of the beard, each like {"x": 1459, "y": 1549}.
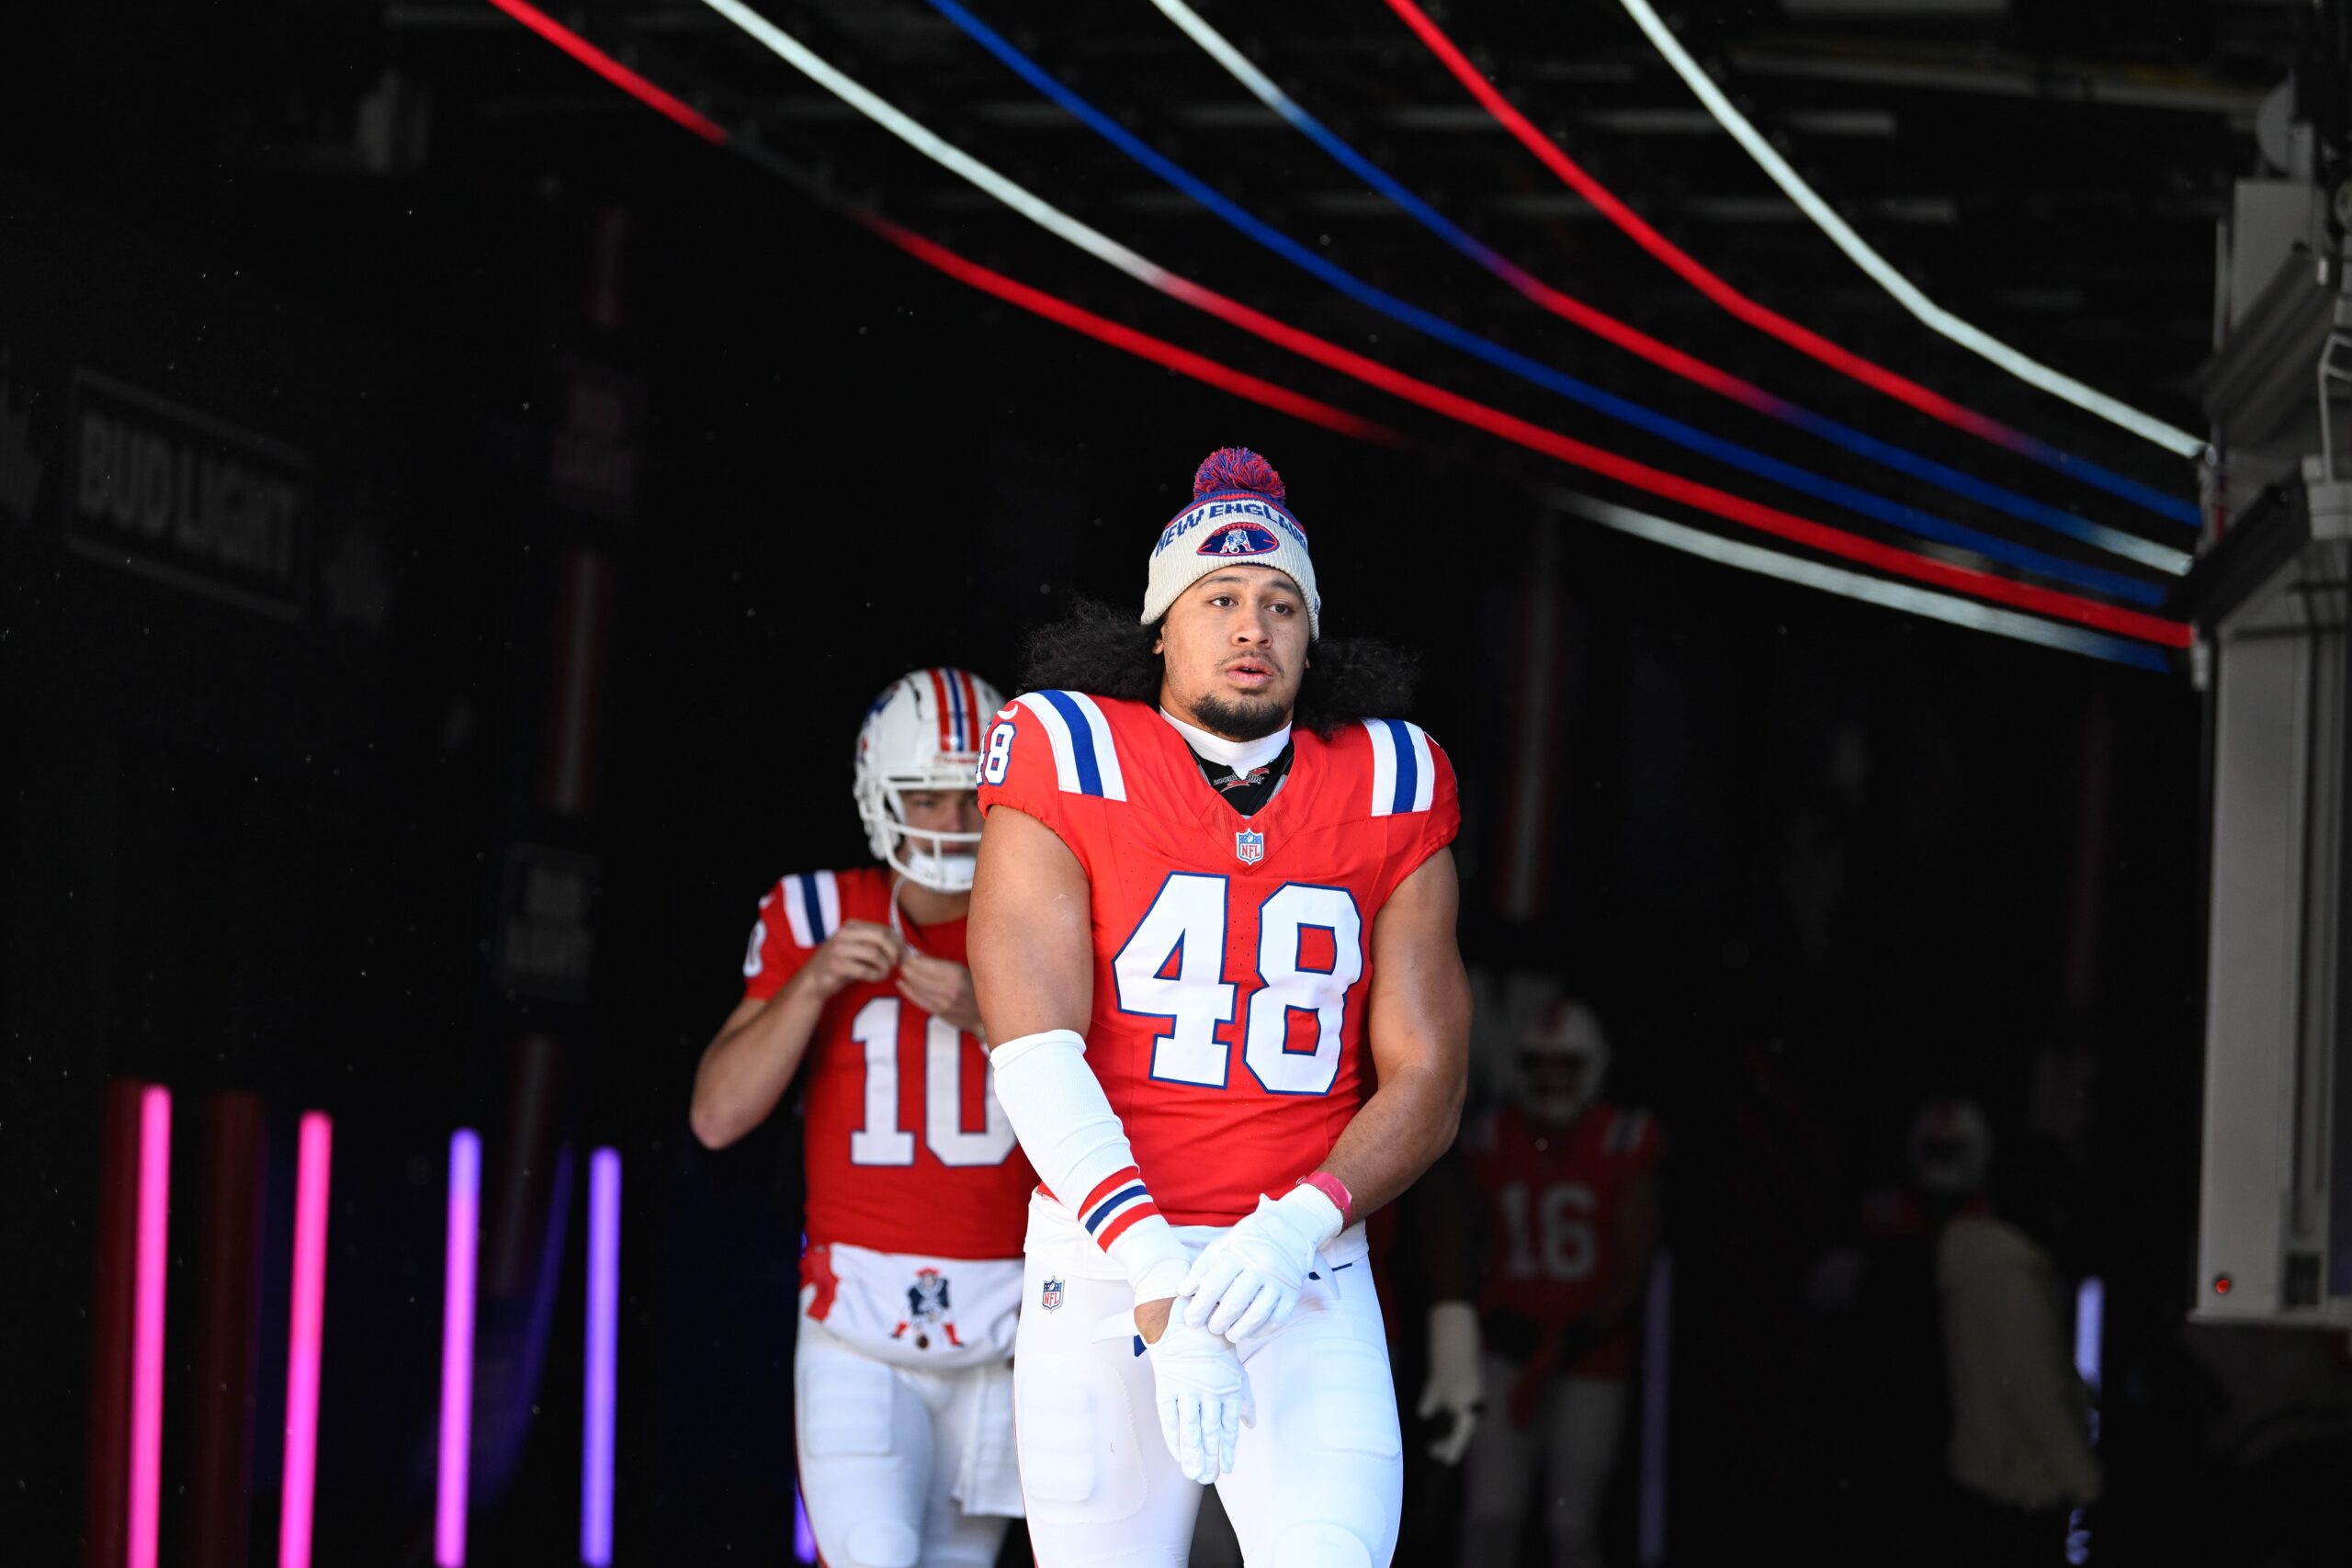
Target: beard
{"x": 1241, "y": 719}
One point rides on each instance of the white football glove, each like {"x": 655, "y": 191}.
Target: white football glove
{"x": 1456, "y": 1387}
{"x": 1246, "y": 1280}
{"x": 1202, "y": 1394}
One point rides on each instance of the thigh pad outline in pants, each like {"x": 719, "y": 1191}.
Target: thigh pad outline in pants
{"x": 1500, "y": 1470}
{"x": 1318, "y": 1482}
{"x": 864, "y": 1456}
{"x": 1587, "y": 1427}
{"x": 1101, "y": 1488}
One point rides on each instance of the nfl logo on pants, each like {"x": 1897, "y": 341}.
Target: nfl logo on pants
{"x": 1250, "y": 847}
{"x": 1050, "y": 1298}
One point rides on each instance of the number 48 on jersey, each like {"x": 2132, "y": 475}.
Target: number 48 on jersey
{"x": 1310, "y": 951}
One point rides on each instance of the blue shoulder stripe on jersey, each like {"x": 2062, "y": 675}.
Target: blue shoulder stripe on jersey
{"x": 811, "y": 906}
{"x": 1408, "y": 781}
{"x": 1103, "y": 1210}
{"x": 1081, "y": 740}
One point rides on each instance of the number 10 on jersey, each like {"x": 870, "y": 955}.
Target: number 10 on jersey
{"x": 1173, "y": 967}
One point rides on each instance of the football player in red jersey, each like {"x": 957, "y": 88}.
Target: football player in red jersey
{"x": 1571, "y": 1189}
{"x": 1214, "y": 938}
{"x": 911, "y": 1281}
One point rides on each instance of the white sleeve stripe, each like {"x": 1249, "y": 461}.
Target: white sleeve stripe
{"x": 1065, "y": 753}
{"x": 812, "y": 906}
{"x": 1086, "y": 761}
{"x": 829, "y": 897}
{"x": 1106, "y": 754}
{"x": 1383, "y": 767}
{"x": 796, "y": 913}
{"x": 1424, "y": 772}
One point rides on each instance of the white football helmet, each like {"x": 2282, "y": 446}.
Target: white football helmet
{"x": 1563, "y": 1058}
{"x": 923, "y": 733}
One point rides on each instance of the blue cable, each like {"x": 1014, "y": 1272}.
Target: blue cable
{"x": 1969, "y": 486}
{"x": 1895, "y": 513}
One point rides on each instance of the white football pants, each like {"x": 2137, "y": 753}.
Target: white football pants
{"x": 881, "y": 1447}
{"x": 1318, "y": 1483}
{"x": 1571, "y": 1443}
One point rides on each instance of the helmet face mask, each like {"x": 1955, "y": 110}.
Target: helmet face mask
{"x": 1950, "y": 1148}
{"x": 1562, "y": 1060}
{"x": 923, "y": 735}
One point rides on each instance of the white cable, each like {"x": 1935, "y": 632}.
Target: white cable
{"x": 1260, "y": 85}
{"x": 1043, "y": 213}
{"x": 1906, "y": 294}
{"x": 1844, "y": 584}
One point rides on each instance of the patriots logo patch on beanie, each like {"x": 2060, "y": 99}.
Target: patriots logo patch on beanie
{"x": 1240, "y": 539}
{"x": 1239, "y": 515}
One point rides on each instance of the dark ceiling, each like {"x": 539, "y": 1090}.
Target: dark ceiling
{"x": 2051, "y": 172}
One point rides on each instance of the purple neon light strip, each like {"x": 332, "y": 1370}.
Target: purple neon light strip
{"x": 457, "y": 1348}
{"x": 804, "y": 1534}
{"x": 1658, "y": 1349}
{"x": 604, "y": 1356}
{"x": 147, "y": 1325}
{"x": 305, "y": 1335}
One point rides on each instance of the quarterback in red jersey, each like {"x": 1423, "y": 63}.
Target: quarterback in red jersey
{"x": 1570, "y": 1188}
{"x": 1213, "y": 938}
{"x": 910, "y": 1280}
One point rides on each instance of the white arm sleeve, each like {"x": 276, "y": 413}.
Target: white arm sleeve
{"x": 1073, "y": 1138}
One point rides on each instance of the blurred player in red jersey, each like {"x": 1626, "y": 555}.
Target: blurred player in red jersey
{"x": 1571, "y": 1189}
{"x": 910, "y": 1282}
{"x": 1213, "y": 933}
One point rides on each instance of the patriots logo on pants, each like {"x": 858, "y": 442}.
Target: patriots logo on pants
{"x": 927, "y": 1306}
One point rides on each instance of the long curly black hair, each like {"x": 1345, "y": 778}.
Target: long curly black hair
{"x": 1107, "y": 654}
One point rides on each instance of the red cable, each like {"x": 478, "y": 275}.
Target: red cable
{"x": 1721, "y": 504}
{"x": 1687, "y": 267}
{"x": 1453, "y": 405}
{"x": 1182, "y": 361}
{"x": 611, "y": 70}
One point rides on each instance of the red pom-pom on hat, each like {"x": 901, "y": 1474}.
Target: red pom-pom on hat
{"x": 1236, "y": 467}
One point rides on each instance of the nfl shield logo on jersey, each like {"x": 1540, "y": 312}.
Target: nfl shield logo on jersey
{"x": 1050, "y": 1298}
{"x": 1250, "y": 847}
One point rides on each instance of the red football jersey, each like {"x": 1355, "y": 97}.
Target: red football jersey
{"x": 907, "y": 1150}
{"x": 1551, "y": 1215}
{"x": 1232, "y": 954}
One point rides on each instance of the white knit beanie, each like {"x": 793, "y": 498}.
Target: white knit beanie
{"x": 1236, "y": 517}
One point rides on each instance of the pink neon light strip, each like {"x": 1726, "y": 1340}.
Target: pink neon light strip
{"x": 147, "y": 1331}
{"x": 457, "y": 1348}
{"x": 305, "y": 1335}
